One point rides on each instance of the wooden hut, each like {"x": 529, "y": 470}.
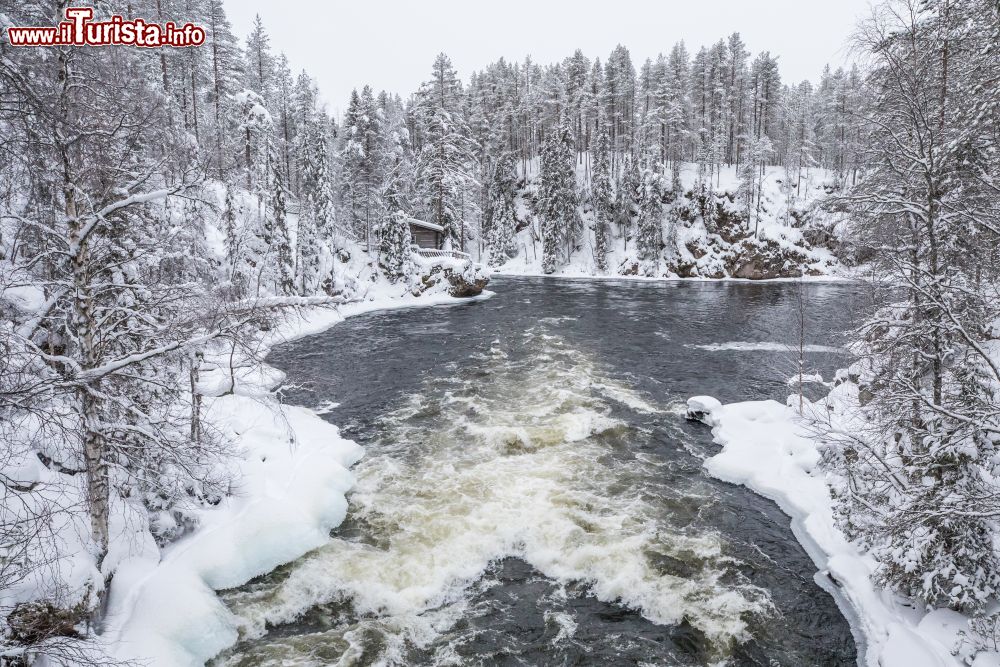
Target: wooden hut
{"x": 426, "y": 234}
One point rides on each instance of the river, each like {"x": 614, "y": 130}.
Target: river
{"x": 532, "y": 495}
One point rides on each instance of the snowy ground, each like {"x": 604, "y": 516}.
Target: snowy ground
{"x": 293, "y": 475}
{"x": 769, "y": 449}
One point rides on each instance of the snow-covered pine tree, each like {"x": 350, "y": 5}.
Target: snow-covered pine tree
{"x": 765, "y": 86}
{"x": 627, "y": 198}
{"x": 399, "y": 180}
{"x": 225, "y": 60}
{"x": 503, "y": 215}
{"x": 748, "y": 174}
{"x": 256, "y": 267}
{"x": 260, "y": 67}
{"x": 277, "y": 220}
{"x": 253, "y": 125}
{"x": 602, "y": 199}
{"x": 676, "y": 100}
{"x": 649, "y": 237}
{"x": 557, "y": 198}
{"x": 619, "y": 101}
{"x": 736, "y": 95}
{"x": 799, "y": 135}
{"x": 593, "y": 102}
{"x": 316, "y": 215}
{"x": 445, "y": 162}
{"x": 676, "y": 187}
{"x": 284, "y": 123}
{"x": 363, "y": 165}
{"x": 308, "y": 248}
{"x": 395, "y": 253}
{"x": 230, "y": 227}
{"x": 575, "y": 70}
{"x": 751, "y": 179}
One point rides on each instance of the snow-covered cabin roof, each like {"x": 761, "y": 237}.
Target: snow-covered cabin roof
{"x": 425, "y": 225}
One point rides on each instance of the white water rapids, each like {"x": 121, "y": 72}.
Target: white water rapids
{"x": 508, "y": 456}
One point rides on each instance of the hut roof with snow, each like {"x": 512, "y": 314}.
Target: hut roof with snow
{"x": 425, "y": 234}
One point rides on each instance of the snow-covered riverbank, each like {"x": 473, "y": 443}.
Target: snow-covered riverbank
{"x": 706, "y": 232}
{"x": 769, "y": 449}
{"x": 291, "y": 478}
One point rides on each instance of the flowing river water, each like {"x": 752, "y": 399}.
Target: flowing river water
{"x": 532, "y": 495}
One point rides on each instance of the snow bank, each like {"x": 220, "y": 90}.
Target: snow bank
{"x": 766, "y": 448}
{"x": 290, "y": 494}
{"x": 291, "y": 481}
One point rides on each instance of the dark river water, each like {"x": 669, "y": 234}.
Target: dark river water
{"x": 532, "y": 495}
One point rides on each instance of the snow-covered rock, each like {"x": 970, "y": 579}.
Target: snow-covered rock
{"x": 700, "y": 408}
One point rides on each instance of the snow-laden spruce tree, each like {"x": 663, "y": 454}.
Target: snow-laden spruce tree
{"x": 362, "y": 165}
{"x": 397, "y": 150}
{"x": 649, "y": 238}
{"x": 751, "y": 179}
{"x": 619, "y": 100}
{"x": 557, "y": 198}
{"x": 627, "y": 198}
{"x": 921, "y": 487}
{"x": 265, "y": 264}
{"x": 395, "y": 243}
{"x": 252, "y": 124}
{"x": 800, "y": 135}
{"x": 224, "y": 65}
{"x": 317, "y": 222}
{"x": 230, "y": 225}
{"x": 395, "y": 251}
{"x": 445, "y": 161}
{"x": 277, "y": 220}
{"x": 502, "y": 212}
{"x": 602, "y": 199}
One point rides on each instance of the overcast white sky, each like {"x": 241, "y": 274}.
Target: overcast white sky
{"x": 391, "y": 44}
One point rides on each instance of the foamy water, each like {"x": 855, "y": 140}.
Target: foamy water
{"x": 517, "y": 459}
{"x": 532, "y": 495}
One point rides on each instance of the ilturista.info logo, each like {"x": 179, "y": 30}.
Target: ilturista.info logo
{"x": 79, "y": 29}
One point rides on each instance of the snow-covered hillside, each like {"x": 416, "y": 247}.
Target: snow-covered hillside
{"x": 707, "y": 232}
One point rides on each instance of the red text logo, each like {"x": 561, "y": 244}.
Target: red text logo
{"x": 79, "y": 30}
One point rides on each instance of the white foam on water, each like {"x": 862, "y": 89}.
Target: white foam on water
{"x": 470, "y": 473}
{"x": 765, "y": 346}
{"x": 564, "y": 621}
{"x": 326, "y": 407}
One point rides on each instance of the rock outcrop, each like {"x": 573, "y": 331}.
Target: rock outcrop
{"x": 464, "y": 279}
